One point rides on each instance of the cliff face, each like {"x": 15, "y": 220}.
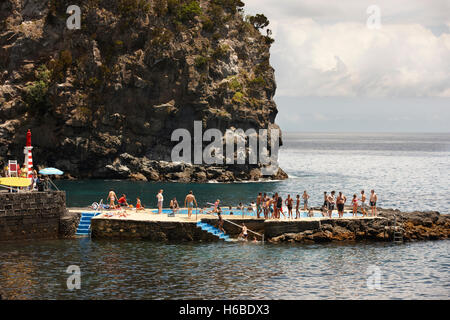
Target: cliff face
{"x": 103, "y": 101}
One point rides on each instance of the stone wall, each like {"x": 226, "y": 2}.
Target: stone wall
{"x": 33, "y": 215}
{"x": 414, "y": 226}
{"x": 150, "y": 230}
{"x": 273, "y": 228}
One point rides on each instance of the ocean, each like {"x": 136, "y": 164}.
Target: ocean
{"x": 408, "y": 172}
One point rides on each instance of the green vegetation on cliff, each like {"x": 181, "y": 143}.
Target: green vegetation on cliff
{"x": 112, "y": 92}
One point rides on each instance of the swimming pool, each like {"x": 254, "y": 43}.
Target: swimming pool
{"x": 246, "y": 213}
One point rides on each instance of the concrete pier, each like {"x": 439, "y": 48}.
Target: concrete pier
{"x": 146, "y": 224}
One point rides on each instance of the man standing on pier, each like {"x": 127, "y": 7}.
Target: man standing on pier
{"x": 297, "y": 206}
{"x": 160, "y": 198}
{"x": 325, "y": 204}
{"x": 190, "y": 200}
{"x": 331, "y": 203}
{"x": 288, "y": 203}
{"x": 373, "y": 202}
{"x": 259, "y": 201}
{"x": 340, "y": 202}
{"x": 363, "y": 203}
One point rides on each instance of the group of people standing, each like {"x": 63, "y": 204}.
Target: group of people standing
{"x": 189, "y": 202}
{"x": 331, "y": 201}
{"x": 272, "y": 207}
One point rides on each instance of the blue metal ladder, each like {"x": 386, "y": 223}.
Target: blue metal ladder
{"x": 84, "y": 227}
{"x": 213, "y": 230}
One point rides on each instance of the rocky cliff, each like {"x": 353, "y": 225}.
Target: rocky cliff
{"x": 102, "y": 101}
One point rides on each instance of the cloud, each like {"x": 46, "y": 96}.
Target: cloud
{"x": 325, "y": 48}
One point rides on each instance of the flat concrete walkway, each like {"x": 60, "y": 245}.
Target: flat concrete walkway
{"x": 150, "y": 215}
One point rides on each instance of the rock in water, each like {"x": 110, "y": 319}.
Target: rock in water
{"x": 103, "y": 101}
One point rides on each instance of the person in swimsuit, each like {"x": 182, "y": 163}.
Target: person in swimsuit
{"x": 244, "y": 233}
{"x": 216, "y": 206}
{"x": 325, "y": 204}
{"x": 259, "y": 201}
{"x": 297, "y": 206}
{"x": 305, "y": 200}
{"x": 174, "y": 205}
{"x": 241, "y": 207}
{"x": 279, "y": 206}
{"x": 363, "y": 203}
{"x": 340, "y": 202}
{"x": 289, "y": 201}
{"x": 264, "y": 206}
{"x": 189, "y": 203}
{"x": 160, "y": 198}
{"x": 123, "y": 201}
{"x": 331, "y": 203}
{"x": 269, "y": 207}
{"x": 275, "y": 206}
{"x": 139, "y": 206}
{"x": 112, "y": 199}
{"x": 373, "y": 202}
{"x": 355, "y": 205}
{"x": 281, "y": 210}
{"x": 310, "y": 213}
{"x": 252, "y": 207}
{"x": 220, "y": 224}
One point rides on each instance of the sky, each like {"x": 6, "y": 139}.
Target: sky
{"x": 357, "y": 65}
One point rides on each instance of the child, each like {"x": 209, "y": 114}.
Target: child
{"x": 355, "y": 205}
{"x": 174, "y": 205}
{"x": 139, "y": 206}
{"x": 310, "y": 213}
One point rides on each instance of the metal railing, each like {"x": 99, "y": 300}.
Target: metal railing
{"x": 99, "y": 211}
{"x": 259, "y": 234}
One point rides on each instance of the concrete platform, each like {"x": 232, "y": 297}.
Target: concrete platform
{"x": 148, "y": 224}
